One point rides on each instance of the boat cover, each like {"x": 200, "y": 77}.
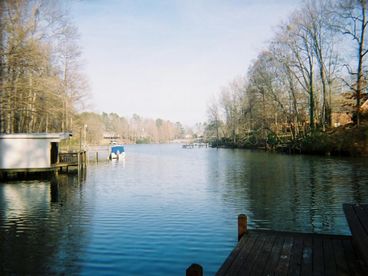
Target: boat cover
{"x": 117, "y": 149}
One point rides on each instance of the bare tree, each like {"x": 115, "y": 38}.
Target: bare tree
{"x": 351, "y": 20}
{"x": 35, "y": 94}
{"x": 214, "y": 118}
{"x": 316, "y": 22}
{"x": 231, "y": 102}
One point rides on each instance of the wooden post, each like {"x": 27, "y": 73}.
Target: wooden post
{"x": 80, "y": 139}
{"x": 194, "y": 270}
{"x": 79, "y": 161}
{"x": 242, "y": 225}
{"x": 97, "y": 156}
{"x": 85, "y": 158}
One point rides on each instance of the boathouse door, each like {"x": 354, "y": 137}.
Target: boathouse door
{"x": 54, "y": 152}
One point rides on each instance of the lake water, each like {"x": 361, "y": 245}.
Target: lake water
{"x": 165, "y": 207}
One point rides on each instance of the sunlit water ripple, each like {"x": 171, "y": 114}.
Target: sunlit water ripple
{"x": 164, "y": 208}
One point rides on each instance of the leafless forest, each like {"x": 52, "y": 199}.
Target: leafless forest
{"x": 41, "y": 83}
{"x": 311, "y": 76}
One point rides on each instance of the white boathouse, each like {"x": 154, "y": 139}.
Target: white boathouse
{"x": 31, "y": 151}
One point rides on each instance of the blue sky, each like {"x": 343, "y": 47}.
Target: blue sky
{"x": 167, "y": 58}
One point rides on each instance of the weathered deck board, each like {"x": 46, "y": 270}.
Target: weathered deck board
{"x": 307, "y": 261}
{"x": 317, "y": 256}
{"x": 357, "y": 217}
{"x": 340, "y": 257}
{"x": 263, "y": 252}
{"x": 258, "y": 267}
{"x": 244, "y": 253}
{"x": 274, "y": 256}
{"x": 296, "y": 257}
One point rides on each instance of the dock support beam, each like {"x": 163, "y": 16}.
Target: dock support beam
{"x": 194, "y": 270}
{"x": 242, "y": 225}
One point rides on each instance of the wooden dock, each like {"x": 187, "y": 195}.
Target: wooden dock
{"x": 266, "y": 252}
{"x": 78, "y": 160}
{"x": 285, "y": 253}
{"x": 195, "y": 145}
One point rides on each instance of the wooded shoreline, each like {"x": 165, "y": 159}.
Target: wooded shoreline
{"x": 342, "y": 141}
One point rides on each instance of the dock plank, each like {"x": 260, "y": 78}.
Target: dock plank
{"x": 296, "y": 257}
{"x": 318, "y": 261}
{"x": 243, "y": 255}
{"x": 307, "y": 257}
{"x": 329, "y": 258}
{"x": 275, "y": 255}
{"x": 254, "y": 257}
{"x": 284, "y": 259}
{"x": 354, "y": 264}
{"x": 264, "y": 255}
{"x": 357, "y": 218}
{"x": 341, "y": 265}
{"x": 233, "y": 255}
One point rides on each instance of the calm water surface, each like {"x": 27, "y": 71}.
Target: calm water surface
{"x": 165, "y": 207}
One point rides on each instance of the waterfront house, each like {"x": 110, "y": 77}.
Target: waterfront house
{"x": 31, "y": 151}
{"x": 340, "y": 119}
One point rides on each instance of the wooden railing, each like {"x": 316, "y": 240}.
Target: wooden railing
{"x": 68, "y": 157}
{"x": 73, "y": 158}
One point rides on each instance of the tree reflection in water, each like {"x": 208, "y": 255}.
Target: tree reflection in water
{"x": 292, "y": 193}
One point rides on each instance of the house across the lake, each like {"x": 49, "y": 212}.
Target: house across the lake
{"x": 30, "y": 152}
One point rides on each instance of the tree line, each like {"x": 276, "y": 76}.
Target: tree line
{"x": 41, "y": 82}
{"x": 312, "y": 70}
{"x": 101, "y": 128}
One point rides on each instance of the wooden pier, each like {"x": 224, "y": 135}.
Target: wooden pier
{"x": 282, "y": 253}
{"x": 264, "y": 252}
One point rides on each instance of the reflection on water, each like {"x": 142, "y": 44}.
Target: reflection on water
{"x": 164, "y": 207}
{"x": 296, "y": 193}
{"x": 38, "y": 228}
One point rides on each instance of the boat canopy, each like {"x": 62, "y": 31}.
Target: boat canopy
{"x": 117, "y": 149}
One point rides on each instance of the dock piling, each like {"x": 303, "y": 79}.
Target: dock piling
{"x": 194, "y": 270}
{"x": 242, "y": 225}
{"x": 79, "y": 161}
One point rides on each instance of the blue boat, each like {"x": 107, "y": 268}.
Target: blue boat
{"x": 117, "y": 152}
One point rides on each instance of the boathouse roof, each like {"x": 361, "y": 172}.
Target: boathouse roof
{"x": 43, "y": 135}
